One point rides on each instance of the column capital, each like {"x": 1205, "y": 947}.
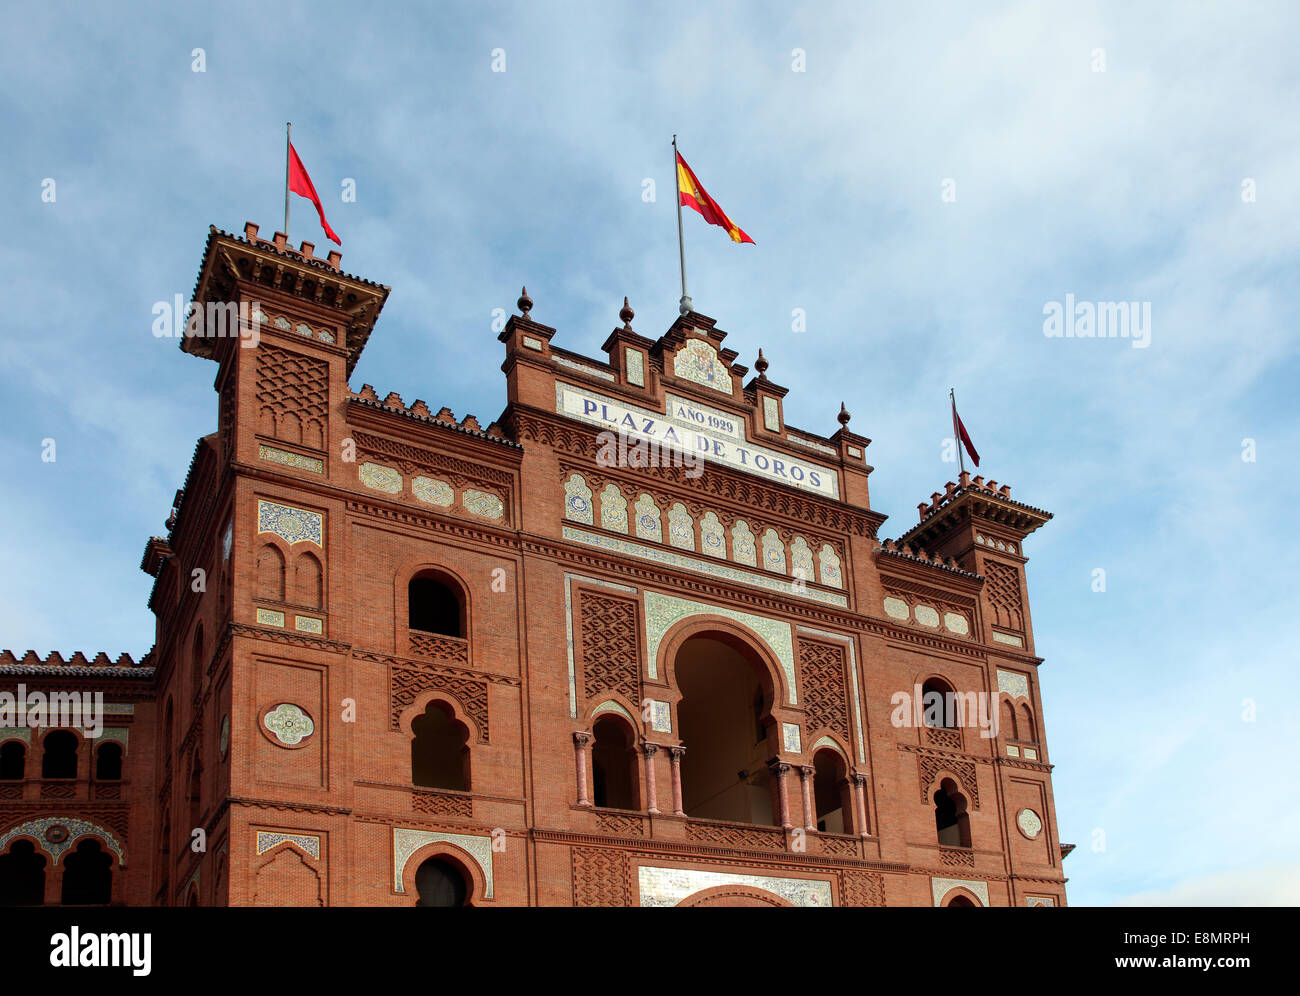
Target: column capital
{"x": 806, "y": 771}
{"x": 581, "y": 739}
{"x": 778, "y": 766}
{"x": 677, "y": 751}
{"x": 649, "y": 748}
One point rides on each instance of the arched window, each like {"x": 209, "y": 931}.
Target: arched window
{"x": 197, "y": 663}
{"x": 613, "y": 764}
{"x": 88, "y": 875}
{"x": 725, "y": 706}
{"x": 13, "y": 760}
{"x": 270, "y": 573}
{"x": 108, "y": 762}
{"x": 938, "y": 706}
{"x": 950, "y": 819}
{"x": 832, "y": 796}
{"x": 167, "y": 734}
{"x": 307, "y": 581}
{"x": 1007, "y": 717}
{"x": 59, "y": 759}
{"x": 22, "y": 875}
{"x": 196, "y": 789}
{"x": 1027, "y": 728}
{"x": 440, "y": 883}
{"x": 960, "y": 900}
{"x": 434, "y": 607}
{"x": 439, "y": 750}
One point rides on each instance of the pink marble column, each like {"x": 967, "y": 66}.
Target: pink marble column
{"x": 651, "y": 794}
{"x": 675, "y": 768}
{"x": 806, "y": 783}
{"x": 779, "y": 770}
{"x": 860, "y": 803}
{"x": 580, "y": 741}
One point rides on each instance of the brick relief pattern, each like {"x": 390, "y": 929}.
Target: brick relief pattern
{"x": 862, "y": 889}
{"x": 440, "y": 649}
{"x": 609, "y": 646}
{"x": 600, "y": 878}
{"x": 292, "y": 392}
{"x": 1003, "y": 592}
{"x": 821, "y": 677}
{"x": 406, "y": 683}
{"x": 438, "y": 804}
{"x": 620, "y": 826}
{"x": 737, "y": 836}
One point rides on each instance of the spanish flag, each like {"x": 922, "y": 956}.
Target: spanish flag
{"x": 695, "y": 196}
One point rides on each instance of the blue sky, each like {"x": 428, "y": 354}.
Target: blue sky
{"x": 1120, "y": 184}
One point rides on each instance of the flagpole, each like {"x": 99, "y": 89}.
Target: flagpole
{"x": 685, "y": 304}
{"x": 956, "y": 434}
{"x": 286, "y": 181}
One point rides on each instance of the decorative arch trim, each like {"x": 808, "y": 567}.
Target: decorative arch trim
{"x": 943, "y": 889}
{"x": 37, "y": 830}
{"x": 472, "y": 851}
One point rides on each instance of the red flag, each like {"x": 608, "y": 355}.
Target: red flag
{"x": 959, "y": 429}
{"x": 694, "y": 196}
{"x": 300, "y": 183}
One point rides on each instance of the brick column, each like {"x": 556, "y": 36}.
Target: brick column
{"x": 675, "y": 763}
{"x": 860, "y": 803}
{"x": 806, "y": 783}
{"x": 779, "y": 769}
{"x": 580, "y": 741}
{"x": 651, "y": 794}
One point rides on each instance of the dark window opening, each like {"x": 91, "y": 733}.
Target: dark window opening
{"x": 950, "y": 819}
{"x": 87, "y": 875}
{"x": 108, "y": 763}
{"x": 613, "y": 765}
{"x": 60, "y": 755}
{"x": 434, "y": 608}
{"x": 440, "y": 883}
{"x": 13, "y": 760}
{"x": 22, "y": 875}
{"x": 439, "y": 750}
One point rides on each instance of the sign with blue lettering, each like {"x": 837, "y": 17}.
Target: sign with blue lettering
{"x": 716, "y": 436}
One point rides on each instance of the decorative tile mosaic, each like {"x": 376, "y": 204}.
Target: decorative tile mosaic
{"x": 293, "y": 525}
{"x": 609, "y": 705}
{"x": 270, "y": 617}
{"x": 483, "y": 504}
{"x": 308, "y": 624}
{"x": 282, "y": 322}
{"x": 853, "y": 675}
{"x": 940, "y": 887}
{"x": 118, "y": 734}
{"x": 568, "y": 629}
{"x": 771, "y": 414}
{"x": 801, "y": 560}
{"x": 407, "y": 842}
{"x": 532, "y": 343}
{"x": 669, "y": 886}
{"x": 831, "y": 574}
{"x": 324, "y": 335}
{"x": 855, "y": 452}
{"x": 269, "y": 839}
{"x": 613, "y": 509}
{"x": 713, "y": 538}
{"x": 289, "y": 724}
{"x": 432, "y": 491}
{"x": 955, "y": 622}
{"x": 16, "y": 732}
{"x": 823, "y": 741}
{"x": 791, "y": 741}
{"x": 635, "y": 362}
{"x": 661, "y": 717}
{"x": 648, "y": 525}
{"x": 1031, "y": 754}
{"x": 55, "y": 834}
{"x": 296, "y": 460}
{"x": 119, "y": 708}
{"x": 1029, "y": 823}
{"x": 1008, "y": 639}
{"x": 1013, "y": 750}
{"x": 896, "y": 608}
{"x": 303, "y": 330}
{"x": 681, "y": 527}
{"x": 377, "y": 477}
{"x": 662, "y": 612}
{"x": 1013, "y": 683}
{"x": 742, "y": 544}
{"x": 927, "y": 616}
{"x": 1039, "y": 901}
{"x": 700, "y": 566}
{"x": 773, "y": 552}
{"x": 577, "y": 500}
{"x": 593, "y": 371}
{"x": 697, "y": 361}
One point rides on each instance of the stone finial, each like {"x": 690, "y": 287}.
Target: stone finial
{"x": 525, "y": 302}
{"x": 760, "y": 364}
{"x": 626, "y": 314}
{"x": 844, "y": 416}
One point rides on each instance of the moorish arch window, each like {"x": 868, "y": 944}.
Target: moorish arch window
{"x": 614, "y": 764}
{"x": 440, "y": 749}
{"x": 59, "y": 755}
{"x": 832, "y": 792}
{"x": 439, "y": 882}
{"x": 951, "y": 822}
{"x": 22, "y": 875}
{"x": 88, "y": 875}
{"x": 270, "y": 573}
{"x": 723, "y": 716}
{"x": 108, "y": 762}
{"x": 308, "y": 581}
{"x": 435, "y": 606}
{"x": 941, "y": 715}
{"x": 13, "y": 760}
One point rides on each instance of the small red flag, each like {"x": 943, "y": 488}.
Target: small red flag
{"x": 959, "y": 429}
{"x": 300, "y": 183}
{"x": 695, "y": 197}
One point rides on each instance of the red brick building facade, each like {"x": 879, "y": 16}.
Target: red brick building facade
{"x": 636, "y": 642}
